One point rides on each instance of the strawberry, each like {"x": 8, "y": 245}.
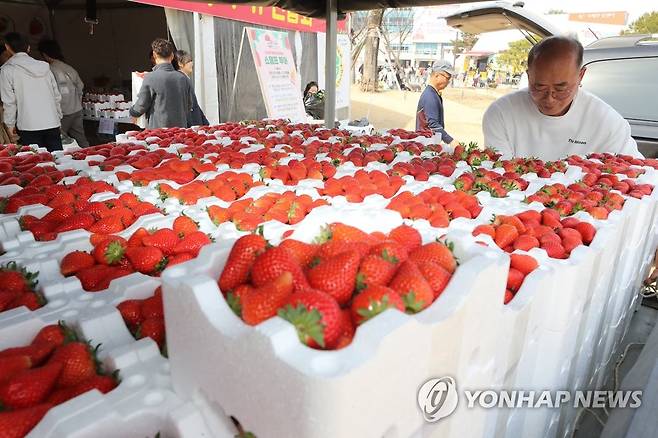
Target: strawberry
{"x": 506, "y": 234}
{"x": 17, "y": 424}
{"x": 375, "y": 271}
{"x": 165, "y": 239}
{"x": 110, "y": 251}
{"x": 347, "y": 329}
{"x": 272, "y": 263}
{"x": 192, "y": 243}
{"x": 514, "y": 279}
{"x": 345, "y": 233}
{"x": 435, "y": 252}
{"x": 81, "y": 220}
{"x": 263, "y": 302}
{"x": 374, "y": 300}
{"x": 571, "y": 243}
{"x": 485, "y": 229}
{"x": 31, "y": 300}
{"x": 76, "y": 261}
{"x": 30, "y": 387}
{"x": 14, "y": 278}
{"x": 104, "y": 384}
{"x": 240, "y": 260}
{"x": 554, "y": 249}
{"x": 179, "y": 258}
{"x": 333, "y": 248}
{"x": 551, "y": 218}
{"x": 436, "y": 275}
{"x": 301, "y": 251}
{"x": 131, "y": 312}
{"x": 509, "y": 295}
{"x": 78, "y": 363}
{"x": 137, "y": 236}
{"x": 336, "y": 276}
{"x": 55, "y": 333}
{"x": 234, "y": 298}
{"x": 37, "y": 353}
{"x": 152, "y": 307}
{"x": 91, "y": 278}
{"x": 407, "y": 236}
{"x": 146, "y": 259}
{"x": 153, "y": 328}
{"x": 390, "y": 250}
{"x": 316, "y": 316}
{"x": 413, "y": 288}
{"x": 59, "y": 214}
{"x": 12, "y": 365}
{"x": 183, "y": 226}
{"x": 525, "y": 242}
{"x": 107, "y": 225}
{"x": 523, "y": 263}
{"x": 587, "y": 232}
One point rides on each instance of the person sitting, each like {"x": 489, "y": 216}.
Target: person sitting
{"x": 313, "y": 101}
{"x": 166, "y": 95}
{"x": 185, "y": 65}
{"x": 553, "y": 118}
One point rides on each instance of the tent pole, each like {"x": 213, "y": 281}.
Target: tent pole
{"x": 330, "y": 65}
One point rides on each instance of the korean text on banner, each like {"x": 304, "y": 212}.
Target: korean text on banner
{"x": 279, "y": 81}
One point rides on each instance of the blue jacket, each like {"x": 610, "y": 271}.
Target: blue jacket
{"x": 431, "y": 104}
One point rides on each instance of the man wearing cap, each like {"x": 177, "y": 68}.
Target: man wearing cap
{"x": 429, "y": 114}
{"x": 553, "y": 118}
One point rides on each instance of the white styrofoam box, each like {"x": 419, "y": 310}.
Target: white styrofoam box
{"x": 452, "y": 319}
{"x": 9, "y": 189}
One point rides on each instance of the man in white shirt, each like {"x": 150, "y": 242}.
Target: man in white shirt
{"x": 553, "y": 118}
{"x": 30, "y": 96}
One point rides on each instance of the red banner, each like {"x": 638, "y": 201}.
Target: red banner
{"x": 262, "y": 15}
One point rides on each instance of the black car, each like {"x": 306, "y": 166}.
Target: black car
{"x": 621, "y": 70}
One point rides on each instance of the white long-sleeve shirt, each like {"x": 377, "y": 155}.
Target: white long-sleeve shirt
{"x": 29, "y": 94}
{"x": 516, "y": 128}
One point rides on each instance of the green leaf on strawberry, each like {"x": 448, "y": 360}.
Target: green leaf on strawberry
{"x": 307, "y": 323}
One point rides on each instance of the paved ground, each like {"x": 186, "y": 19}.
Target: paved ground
{"x": 464, "y": 108}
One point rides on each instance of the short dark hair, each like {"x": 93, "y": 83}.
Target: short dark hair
{"x": 51, "y": 48}
{"x": 182, "y": 57}
{"x": 162, "y": 48}
{"x": 16, "y": 42}
{"x": 554, "y": 43}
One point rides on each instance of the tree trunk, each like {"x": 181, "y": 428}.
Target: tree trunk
{"x": 373, "y": 23}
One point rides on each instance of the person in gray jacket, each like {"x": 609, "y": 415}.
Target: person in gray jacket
{"x": 166, "y": 95}
{"x": 70, "y": 87}
{"x": 30, "y": 96}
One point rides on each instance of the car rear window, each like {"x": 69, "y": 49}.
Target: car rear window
{"x": 628, "y": 85}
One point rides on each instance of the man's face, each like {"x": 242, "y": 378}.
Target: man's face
{"x": 553, "y": 83}
{"x": 440, "y": 80}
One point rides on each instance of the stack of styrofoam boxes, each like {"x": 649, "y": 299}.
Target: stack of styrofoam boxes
{"x": 247, "y": 371}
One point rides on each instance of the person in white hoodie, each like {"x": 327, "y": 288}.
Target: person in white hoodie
{"x": 70, "y": 87}
{"x": 30, "y": 96}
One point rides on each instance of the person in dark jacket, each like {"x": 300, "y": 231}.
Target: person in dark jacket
{"x": 430, "y": 105}
{"x": 185, "y": 65}
{"x": 166, "y": 96}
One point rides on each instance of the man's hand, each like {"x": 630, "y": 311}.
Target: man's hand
{"x": 653, "y": 275}
{"x": 13, "y": 135}
{"x": 133, "y": 120}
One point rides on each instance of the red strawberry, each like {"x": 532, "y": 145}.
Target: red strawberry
{"x": 17, "y": 424}
{"x": 525, "y": 242}
{"x": 435, "y": 252}
{"x": 506, "y": 234}
{"x": 485, "y": 229}
{"x": 514, "y": 279}
{"x": 272, "y": 263}
{"x": 263, "y": 302}
{"x": 301, "y": 251}
{"x": 36, "y": 352}
{"x": 346, "y": 233}
{"x": 571, "y": 243}
{"x": 75, "y": 261}
{"x": 55, "y": 333}
{"x": 12, "y": 365}
{"x": 184, "y": 226}
{"x": 137, "y": 236}
{"x": 110, "y": 251}
{"x": 436, "y": 275}
{"x": 587, "y": 232}
{"x": 107, "y": 225}
{"x": 375, "y": 271}
{"x": 509, "y": 295}
{"x": 30, "y": 387}
{"x": 78, "y": 363}
{"x": 152, "y": 307}
{"x": 146, "y": 259}
{"x": 390, "y": 250}
{"x": 554, "y": 250}
{"x": 523, "y": 263}
{"x": 336, "y": 276}
{"x": 407, "y": 236}
{"x": 333, "y": 248}
{"x": 31, "y": 300}
{"x": 91, "y": 278}
{"x": 234, "y": 298}
{"x": 550, "y": 218}
{"x": 14, "y": 278}
{"x": 240, "y": 260}
{"x": 153, "y": 328}
{"x": 192, "y": 243}
{"x": 104, "y": 384}
{"x": 131, "y": 312}
{"x": 374, "y": 300}
{"x": 413, "y": 288}
{"x": 164, "y": 239}
{"x": 316, "y": 317}
{"x": 179, "y": 258}
{"x": 78, "y": 221}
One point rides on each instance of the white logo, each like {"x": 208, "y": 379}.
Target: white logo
{"x": 437, "y": 398}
